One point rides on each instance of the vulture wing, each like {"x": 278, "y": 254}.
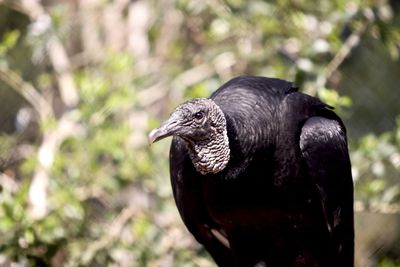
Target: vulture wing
{"x": 324, "y": 147}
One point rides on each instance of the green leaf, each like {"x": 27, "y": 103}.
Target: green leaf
{"x": 9, "y": 41}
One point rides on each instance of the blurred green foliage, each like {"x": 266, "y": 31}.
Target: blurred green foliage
{"x": 376, "y": 166}
{"x": 108, "y": 199}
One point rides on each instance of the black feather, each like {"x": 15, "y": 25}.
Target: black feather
{"x": 286, "y": 196}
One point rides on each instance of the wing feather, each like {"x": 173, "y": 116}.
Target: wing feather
{"x": 324, "y": 147}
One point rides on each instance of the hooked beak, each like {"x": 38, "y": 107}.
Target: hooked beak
{"x": 168, "y": 128}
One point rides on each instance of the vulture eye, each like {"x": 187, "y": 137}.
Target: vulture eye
{"x": 199, "y": 115}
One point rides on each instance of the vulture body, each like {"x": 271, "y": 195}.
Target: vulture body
{"x": 261, "y": 175}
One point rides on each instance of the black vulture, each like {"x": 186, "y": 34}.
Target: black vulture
{"x": 261, "y": 175}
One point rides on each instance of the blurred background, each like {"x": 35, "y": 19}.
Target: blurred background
{"x": 82, "y": 82}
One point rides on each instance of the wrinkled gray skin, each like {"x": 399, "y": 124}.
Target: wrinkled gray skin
{"x": 201, "y": 123}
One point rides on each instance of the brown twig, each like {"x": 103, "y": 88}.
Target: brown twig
{"x": 56, "y": 51}
{"x": 351, "y": 42}
{"x": 28, "y": 92}
{"x": 62, "y": 66}
{"x": 113, "y": 233}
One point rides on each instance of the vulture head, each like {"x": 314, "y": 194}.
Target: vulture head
{"x": 202, "y": 125}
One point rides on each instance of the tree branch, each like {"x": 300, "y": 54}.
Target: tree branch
{"x": 113, "y": 233}
{"x": 28, "y": 92}
{"x": 351, "y": 42}
{"x": 67, "y": 125}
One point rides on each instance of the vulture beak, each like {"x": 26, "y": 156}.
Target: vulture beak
{"x": 168, "y": 128}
